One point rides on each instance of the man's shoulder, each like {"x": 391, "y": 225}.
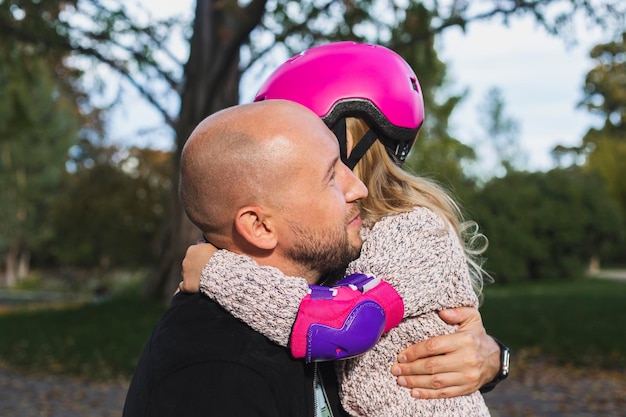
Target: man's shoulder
{"x": 198, "y": 347}
{"x": 195, "y": 318}
{"x": 205, "y": 332}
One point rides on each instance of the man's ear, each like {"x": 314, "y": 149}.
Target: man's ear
{"x": 256, "y": 227}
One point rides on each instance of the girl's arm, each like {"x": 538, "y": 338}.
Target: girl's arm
{"x": 422, "y": 258}
{"x": 261, "y": 296}
{"x": 324, "y": 323}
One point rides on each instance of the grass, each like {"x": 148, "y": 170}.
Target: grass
{"x": 100, "y": 341}
{"x": 577, "y": 323}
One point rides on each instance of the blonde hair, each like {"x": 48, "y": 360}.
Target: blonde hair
{"x": 393, "y": 190}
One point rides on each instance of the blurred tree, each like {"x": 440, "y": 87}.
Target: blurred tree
{"x": 230, "y": 37}
{"x": 38, "y": 123}
{"x": 501, "y": 132}
{"x": 546, "y": 225}
{"x": 436, "y": 153}
{"x": 603, "y": 149}
{"x": 605, "y": 95}
{"x": 112, "y": 206}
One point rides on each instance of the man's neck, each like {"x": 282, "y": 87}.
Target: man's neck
{"x": 332, "y": 277}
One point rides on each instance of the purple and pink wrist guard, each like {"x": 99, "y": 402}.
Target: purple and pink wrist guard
{"x": 346, "y": 320}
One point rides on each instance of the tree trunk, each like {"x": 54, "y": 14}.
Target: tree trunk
{"x": 23, "y": 265}
{"x": 211, "y": 83}
{"x": 17, "y": 265}
{"x": 11, "y": 264}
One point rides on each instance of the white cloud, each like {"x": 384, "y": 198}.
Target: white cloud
{"x": 541, "y": 79}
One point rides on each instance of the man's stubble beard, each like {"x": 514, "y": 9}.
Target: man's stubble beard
{"x": 328, "y": 253}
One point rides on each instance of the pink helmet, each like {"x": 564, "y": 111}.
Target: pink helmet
{"x": 344, "y": 79}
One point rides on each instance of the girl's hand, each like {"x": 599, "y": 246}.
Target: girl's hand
{"x": 196, "y": 258}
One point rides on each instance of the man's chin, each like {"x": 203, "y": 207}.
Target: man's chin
{"x": 355, "y": 244}
{"x": 330, "y": 276}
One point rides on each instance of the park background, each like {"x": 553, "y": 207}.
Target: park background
{"x": 98, "y": 97}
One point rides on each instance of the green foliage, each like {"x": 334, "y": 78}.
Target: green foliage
{"x": 112, "y": 207}
{"x": 607, "y": 160}
{"x": 36, "y": 18}
{"x": 99, "y": 341}
{"x": 575, "y": 323}
{"x": 605, "y": 87}
{"x": 38, "y": 123}
{"x": 546, "y": 225}
{"x": 436, "y": 153}
{"x": 605, "y": 95}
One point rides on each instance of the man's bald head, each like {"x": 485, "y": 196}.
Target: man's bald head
{"x": 266, "y": 180}
{"x": 239, "y": 156}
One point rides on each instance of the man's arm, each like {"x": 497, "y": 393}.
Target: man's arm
{"x": 450, "y": 365}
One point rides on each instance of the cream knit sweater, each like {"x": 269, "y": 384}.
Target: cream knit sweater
{"x": 416, "y": 253}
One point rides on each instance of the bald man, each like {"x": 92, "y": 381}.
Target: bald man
{"x": 264, "y": 180}
{"x": 255, "y": 181}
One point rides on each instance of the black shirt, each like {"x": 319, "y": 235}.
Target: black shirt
{"x": 201, "y": 361}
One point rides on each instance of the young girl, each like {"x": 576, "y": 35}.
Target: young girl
{"x": 414, "y": 237}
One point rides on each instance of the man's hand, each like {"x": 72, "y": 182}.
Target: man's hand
{"x": 196, "y": 258}
{"x": 450, "y": 365}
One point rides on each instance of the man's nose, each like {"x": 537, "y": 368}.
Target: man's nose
{"x": 355, "y": 189}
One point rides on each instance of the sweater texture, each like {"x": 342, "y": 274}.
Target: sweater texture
{"x": 417, "y": 253}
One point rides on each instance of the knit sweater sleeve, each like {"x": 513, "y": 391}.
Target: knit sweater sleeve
{"x": 261, "y": 296}
{"x": 422, "y": 257}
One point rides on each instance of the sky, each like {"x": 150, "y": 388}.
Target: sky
{"x": 540, "y": 76}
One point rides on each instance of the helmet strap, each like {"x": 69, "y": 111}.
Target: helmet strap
{"x": 359, "y": 150}
{"x": 339, "y": 129}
